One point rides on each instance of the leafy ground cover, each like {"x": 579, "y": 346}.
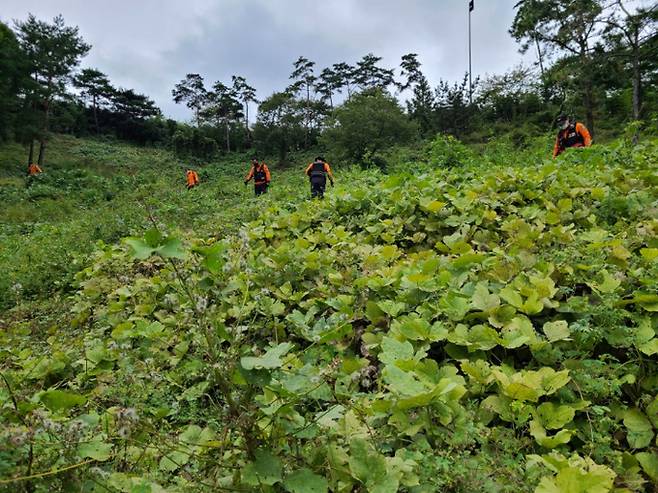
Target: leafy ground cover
{"x": 103, "y": 191}
{"x": 485, "y": 323}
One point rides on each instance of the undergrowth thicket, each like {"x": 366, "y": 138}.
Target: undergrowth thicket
{"x": 467, "y": 323}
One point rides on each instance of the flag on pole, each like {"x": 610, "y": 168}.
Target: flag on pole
{"x": 470, "y": 5}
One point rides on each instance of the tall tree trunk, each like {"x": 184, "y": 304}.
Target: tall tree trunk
{"x": 246, "y": 121}
{"x": 43, "y": 138}
{"x": 307, "y": 119}
{"x": 637, "y": 84}
{"x": 42, "y": 150}
{"x": 588, "y": 94}
{"x": 30, "y": 158}
{"x": 589, "y": 105}
{"x": 540, "y": 57}
{"x": 228, "y": 137}
{"x": 95, "y": 114}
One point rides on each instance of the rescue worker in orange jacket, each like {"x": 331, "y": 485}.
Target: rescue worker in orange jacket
{"x": 34, "y": 169}
{"x": 571, "y": 134}
{"x": 261, "y": 175}
{"x": 192, "y": 178}
{"x": 317, "y": 172}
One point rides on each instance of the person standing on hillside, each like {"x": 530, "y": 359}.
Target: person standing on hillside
{"x": 261, "y": 175}
{"x": 571, "y": 134}
{"x": 317, "y": 172}
{"x": 192, "y": 178}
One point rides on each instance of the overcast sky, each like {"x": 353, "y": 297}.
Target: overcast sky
{"x": 149, "y": 45}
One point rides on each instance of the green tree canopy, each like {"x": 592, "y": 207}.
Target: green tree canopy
{"x": 368, "y": 123}
{"x": 54, "y": 50}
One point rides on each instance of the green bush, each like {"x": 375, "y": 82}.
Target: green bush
{"x": 447, "y": 152}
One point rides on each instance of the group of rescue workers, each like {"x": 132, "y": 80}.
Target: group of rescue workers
{"x": 570, "y": 134}
{"x": 318, "y": 172}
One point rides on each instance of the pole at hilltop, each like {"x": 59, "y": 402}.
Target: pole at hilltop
{"x": 470, "y": 71}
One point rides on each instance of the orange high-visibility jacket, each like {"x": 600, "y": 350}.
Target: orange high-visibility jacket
{"x": 327, "y": 169}
{"x": 192, "y": 178}
{"x": 573, "y": 136}
{"x": 33, "y": 169}
{"x": 260, "y": 173}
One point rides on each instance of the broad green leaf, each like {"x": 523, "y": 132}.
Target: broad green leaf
{"x": 95, "y": 449}
{"x": 140, "y": 250}
{"x": 270, "y": 360}
{"x": 455, "y": 305}
{"x": 402, "y": 382}
{"x": 539, "y": 434}
{"x": 557, "y": 331}
{"x": 434, "y": 206}
{"x": 194, "y": 436}
{"x": 153, "y": 237}
{"x": 649, "y": 253}
{"x": 374, "y": 313}
{"x": 649, "y": 463}
{"x": 389, "y": 252}
{"x": 593, "y": 479}
{"x": 650, "y": 348}
{"x": 532, "y": 305}
{"x": 502, "y": 315}
{"x": 652, "y": 412}
{"x": 364, "y": 461}
{"x": 644, "y": 332}
{"x": 483, "y": 337}
{"x": 305, "y": 481}
{"x": 171, "y": 248}
{"x": 391, "y": 308}
{"x": 265, "y": 470}
{"x": 639, "y": 430}
{"x": 61, "y": 400}
{"x": 483, "y": 300}
{"x": 648, "y": 301}
{"x": 213, "y": 256}
{"x": 174, "y": 460}
{"x": 412, "y": 327}
{"x": 607, "y": 284}
{"x": 513, "y": 297}
{"x": 519, "y": 331}
{"x": 394, "y": 350}
{"x": 553, "y": 380}
{"x": 554, "y": 416}
{"x": 370, "y": 468}
{"x": 522, "y": 392}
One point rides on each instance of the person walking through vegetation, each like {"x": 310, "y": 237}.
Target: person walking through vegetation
{"x": 33, "y": 169}
{"x": 317, "y": 172}
{"x": 261, "y": 175}
{"x": 571, "y": 134}
{"x": 192, "y": 178}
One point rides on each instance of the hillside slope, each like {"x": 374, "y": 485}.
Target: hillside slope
{"x": 480, "y": 327}
{"x": 103, "y": 191}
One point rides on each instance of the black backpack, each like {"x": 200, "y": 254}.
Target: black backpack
{"x": 317, "y": 169}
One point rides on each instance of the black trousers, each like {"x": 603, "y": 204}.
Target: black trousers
{"x": 260, "y": 189}
{"x": 318, "y": 186}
